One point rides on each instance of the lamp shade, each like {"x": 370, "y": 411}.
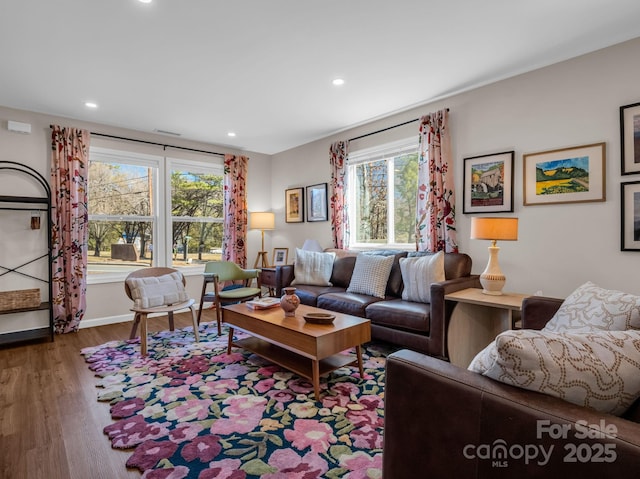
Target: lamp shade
{"x": 262, "y": 220}
{"x": 491, "y": 228}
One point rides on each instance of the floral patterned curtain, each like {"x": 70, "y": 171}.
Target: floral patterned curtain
{"x": 234, "y": 236}
{"x": 435, "y": 213}
{"x": 70, "y": 218}
{"x": 339, "y": 217}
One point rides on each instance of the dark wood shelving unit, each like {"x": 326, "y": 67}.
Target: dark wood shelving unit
{"x": 28, "y": 204}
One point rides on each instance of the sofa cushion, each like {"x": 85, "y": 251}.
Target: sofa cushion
{"x": 418, "y": 274}
{"x": 599, "y": 370}
{"x": 348, "y": 303}
{"x": 153, "y": 291}
{"x": 399, "y": 314}
{"x": 591, "y": 308}
{"x": 312, "y": 267}
{"x": 309, "y": 294}
{"x": 343, "y": 270}
{"x": 370, "y": 275}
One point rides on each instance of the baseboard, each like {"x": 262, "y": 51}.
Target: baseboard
{"x": 92, "y": 323}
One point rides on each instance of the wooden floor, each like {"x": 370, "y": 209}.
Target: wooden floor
{"x": 50, "y": 420}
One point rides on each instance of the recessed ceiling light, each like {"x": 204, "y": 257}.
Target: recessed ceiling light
{"x": 231, "y": 134}
{"x": 144, "y": 1}
{"x": 338, "y": 82}
{"x": 90, "y": 104}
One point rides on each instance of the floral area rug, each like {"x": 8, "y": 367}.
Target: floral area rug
{"x": 189, "y": 410}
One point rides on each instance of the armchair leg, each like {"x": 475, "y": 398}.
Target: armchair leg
{"x": 219, "y": 318}
{"x": 143, "y": 334}
{"x": 204, "y": 290}
{"x": 171, "y": 324}
{"x": 195, "y": 323}
{"x": 134, "y": 327}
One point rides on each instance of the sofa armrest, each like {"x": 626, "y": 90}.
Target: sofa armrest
{"x": 284, "y": 277}
{"x": 441, "y": 310}
{"x": 437, "y": 415}
{"x": 538, "y": 310}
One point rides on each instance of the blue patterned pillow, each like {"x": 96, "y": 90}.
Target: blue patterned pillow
{"x": 370, "y": 275}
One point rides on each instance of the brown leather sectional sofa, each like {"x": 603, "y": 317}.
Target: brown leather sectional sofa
{"x": 417, "y": 326}
{"x": 442, "y": 421}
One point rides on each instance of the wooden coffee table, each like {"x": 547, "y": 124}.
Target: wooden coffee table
{"x": 309, "y": 350}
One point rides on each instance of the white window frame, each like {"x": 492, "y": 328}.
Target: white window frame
{"x": 161, "y": 208}
{"x": 387, "y": 152}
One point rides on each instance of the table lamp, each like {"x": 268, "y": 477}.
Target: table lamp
{"x": 262, "y": 220}
{"x": 494, "y": 229}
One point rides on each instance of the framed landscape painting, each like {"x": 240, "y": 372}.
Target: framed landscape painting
{"x": 294, "y": 205}
{"x": 567, "y": 175}
{"x": 630, "y": 138}
{"x": 630, "y": 222}
{"x": 488, "y": 183}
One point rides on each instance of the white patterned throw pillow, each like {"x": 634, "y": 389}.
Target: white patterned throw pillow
{"x": 313, "y": 268}
{"x": 417, "y": 275}
{"x": 591, "y": 308}
{"x": 152, "y": 291}
{"x": 599, "y": 370}
{"x": 370, "y": 274}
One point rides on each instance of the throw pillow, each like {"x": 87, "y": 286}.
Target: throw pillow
{"x": 598, "y": 370}
{"x": 370, "y": 275}
{"x": 417, "y": 275}
{"x": 591, "y": 308}
{"x": 153, "y": 291}
{"x": 313, "y": 268}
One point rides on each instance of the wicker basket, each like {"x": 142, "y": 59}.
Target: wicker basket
{"x": 19, "y": 299}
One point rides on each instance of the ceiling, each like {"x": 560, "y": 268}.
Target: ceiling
{"x": 264, "y": 69}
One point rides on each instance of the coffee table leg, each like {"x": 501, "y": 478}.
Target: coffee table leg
{"x": 316, "y": 378}
{"x": 230, "y": 340}
{"x": 359, "y": 354}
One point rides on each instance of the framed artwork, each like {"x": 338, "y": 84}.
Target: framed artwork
{"x": 317, "y": 202}
{"x": 488, "y": 183}
{"x": 630, "y": 216}
{"x": 567, "y": 175}
{"x": 280, "y": 256}
{"x": 630, "y": 138}
{"x": 294, "y": 205}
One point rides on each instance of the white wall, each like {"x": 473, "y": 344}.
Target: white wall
{"x": 561, "y": 246}
{"x": 568, "y": 104}
{"x": 108, "y": 302}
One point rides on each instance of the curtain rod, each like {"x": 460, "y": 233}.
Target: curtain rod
{"x": 164, "y": 145}
{"x": 385, "y": 129}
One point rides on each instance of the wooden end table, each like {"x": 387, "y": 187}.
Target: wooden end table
{"x": 476, "y": 321}
{"x": 309, "y": 350}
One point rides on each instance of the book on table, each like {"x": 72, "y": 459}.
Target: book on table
{"x": 263, "y": 303}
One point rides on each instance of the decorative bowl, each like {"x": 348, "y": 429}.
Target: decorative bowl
{"x": 319, "y": 318}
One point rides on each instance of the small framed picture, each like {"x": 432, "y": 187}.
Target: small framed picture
{"x": 488, "y": 183}
{"x": 630, "y": 216}
{"x": 630, "y": 138}
{"x": 280, "y": 256}
{"x": 567, "y": 175}
{"x": 294, "y": 205}
{"x": 317, "y": 202}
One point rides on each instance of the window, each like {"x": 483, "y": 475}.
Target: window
{"x": 196, "y": 214}
{"x": 382, "y": 186}
{"x": 129, "y": 223}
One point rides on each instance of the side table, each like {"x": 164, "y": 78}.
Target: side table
{"x": 476, "y": 320}
{"x": 269, "y": 279}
